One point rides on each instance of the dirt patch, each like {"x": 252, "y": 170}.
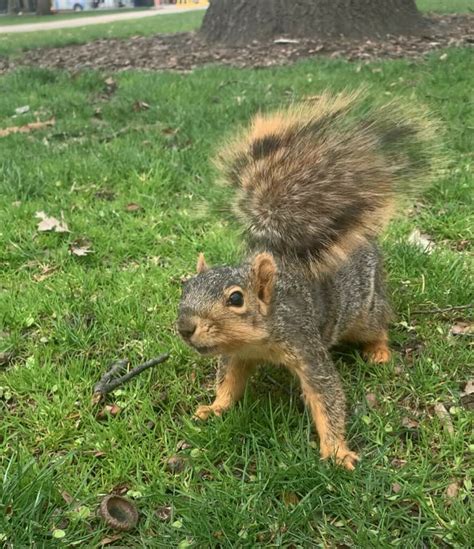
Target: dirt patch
{"x": 186, "y": 51}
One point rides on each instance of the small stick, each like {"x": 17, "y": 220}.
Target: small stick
{"x": 446, "y": 310}
{"x": 112, "y": 379}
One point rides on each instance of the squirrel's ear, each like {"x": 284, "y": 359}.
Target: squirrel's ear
{"x": 263, "y": 273}
{"x": 201, "y": 266}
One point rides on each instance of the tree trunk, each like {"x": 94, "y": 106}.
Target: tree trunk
{"x": 241, "y": 21}
{"x": 43, "y": 7}
{"x": 13, "y": 7}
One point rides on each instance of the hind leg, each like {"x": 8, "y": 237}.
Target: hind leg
{"x": 377, "y": 350}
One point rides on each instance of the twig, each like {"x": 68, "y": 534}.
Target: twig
{"x": 112, "y": 378}
{"x": 445, "y": 310}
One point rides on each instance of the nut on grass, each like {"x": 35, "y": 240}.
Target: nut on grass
{"x": 118, "y": 513}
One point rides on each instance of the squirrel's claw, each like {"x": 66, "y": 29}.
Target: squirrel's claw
{"x": 341, "y": 455}
{"x": 203, "y": 412}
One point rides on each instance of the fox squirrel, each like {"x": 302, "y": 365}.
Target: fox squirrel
{"x": 315, "y": 185}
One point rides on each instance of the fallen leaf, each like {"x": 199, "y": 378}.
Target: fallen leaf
{"x": 140, "y": 106}
{"x": 169, "y": 131}
{"x": 51, "y": 223}
{"x": 396, "y": 487}
{"x": 4, "y": 132}
{"x": 444, "y": 418}
{"x": 121, "y": 489}
{"x": 5, "y": 358}
{"x": 22, "y": 110}
{"x": 398, "y": 463}
{"x": 175, "y": 464}
{"x": 409, "y": 423}
{"x": 290, "y": 498}
{"x": 133, "y": 207}
{"x": 105, "y": 194}
{"x": 80, "y": 248}
{"x": 422, "y": 241}
{"x": 46, "y": 272}
{"x": 371, "y": 400}
{"x": 164, "y": 512}
{"x": 110, "y": 84}
{"x": 286, "y": 41}
{"x": 452, "y": 490}
{"x": 462, "y": 327}
{"x": 110, "y": 539}
{"x": 109, "y": 410}
{"x": 67, "y": 497}
{"x": 99, "y": 454}
{"x": 183, "y": 445}
{"x": 467, "y": 395}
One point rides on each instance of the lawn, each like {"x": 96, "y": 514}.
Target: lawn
{"x": 126, "y": 165}
{"x": 167, "y": 23}
{"x": 61, "y": 16}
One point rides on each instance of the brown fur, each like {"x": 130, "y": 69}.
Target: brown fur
{"x": 317, "y": 181}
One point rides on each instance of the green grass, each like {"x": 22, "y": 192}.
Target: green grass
{"x": 62, "y": 16}
{"x": 15, "y": 43}
{"x": 445, "y": 6}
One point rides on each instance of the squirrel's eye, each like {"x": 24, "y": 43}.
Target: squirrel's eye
{"x": 236, "y": 299}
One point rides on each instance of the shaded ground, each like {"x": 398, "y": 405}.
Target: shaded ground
{"x": 185, "y": 51}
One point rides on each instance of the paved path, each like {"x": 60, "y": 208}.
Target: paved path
{"x": 95, "y": 20}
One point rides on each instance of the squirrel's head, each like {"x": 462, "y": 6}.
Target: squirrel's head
{"x": 224, "y": 310}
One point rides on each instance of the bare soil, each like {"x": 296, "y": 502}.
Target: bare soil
{"x": 186, "y": 51}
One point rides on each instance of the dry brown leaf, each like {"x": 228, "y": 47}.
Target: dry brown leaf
{"x": 80, "y": 248}
{"x": 462, "y": 328}
{"x": 175, "y": 464}
{"x": 444, "y": 418}
{"x": 67, "y": 497}
{"x": 26, "y": 128}
{"x": 140, "y": 106}
{"x": 452, "y": 490}
{"x": 467, "y": 395}
{"x": 396, "y": 487}
{"x": 133, "y": 207}
{"x": 109, "y": 410}
{"x": 51, "y": 223}
{"x": 111, "y": 85}
{"x": 398, "y": 463}
{"x": 290, "y": 498}
{"x": 164, "y": 512}
{"x": 110, "y": 539}
{"x": 371, "y": 400}
{"x": 46, "y": 272}
{"x": 422, "y": 241}
{"x": 409, "y": 423}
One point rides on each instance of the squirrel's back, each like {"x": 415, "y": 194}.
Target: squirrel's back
{"x": 319, "y": 179}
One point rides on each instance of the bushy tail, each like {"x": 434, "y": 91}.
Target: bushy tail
{"x": 316, "y": 181}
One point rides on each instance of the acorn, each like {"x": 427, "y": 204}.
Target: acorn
{"x": 118, "y": 512}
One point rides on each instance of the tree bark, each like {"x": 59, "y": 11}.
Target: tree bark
{"x": 242, "y": 21}
{"x": 43, "y": 7}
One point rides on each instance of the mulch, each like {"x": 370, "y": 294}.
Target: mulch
{"x": 186, "y": 51}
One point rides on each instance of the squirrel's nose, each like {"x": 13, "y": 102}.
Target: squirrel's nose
{"x": 186, "y": 328}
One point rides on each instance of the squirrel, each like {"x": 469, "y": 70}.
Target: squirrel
{"x": 315, "y": 185}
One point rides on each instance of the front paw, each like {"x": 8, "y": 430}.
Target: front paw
{"x": 341, "y": 455}
{"x": 204, "y": 412}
